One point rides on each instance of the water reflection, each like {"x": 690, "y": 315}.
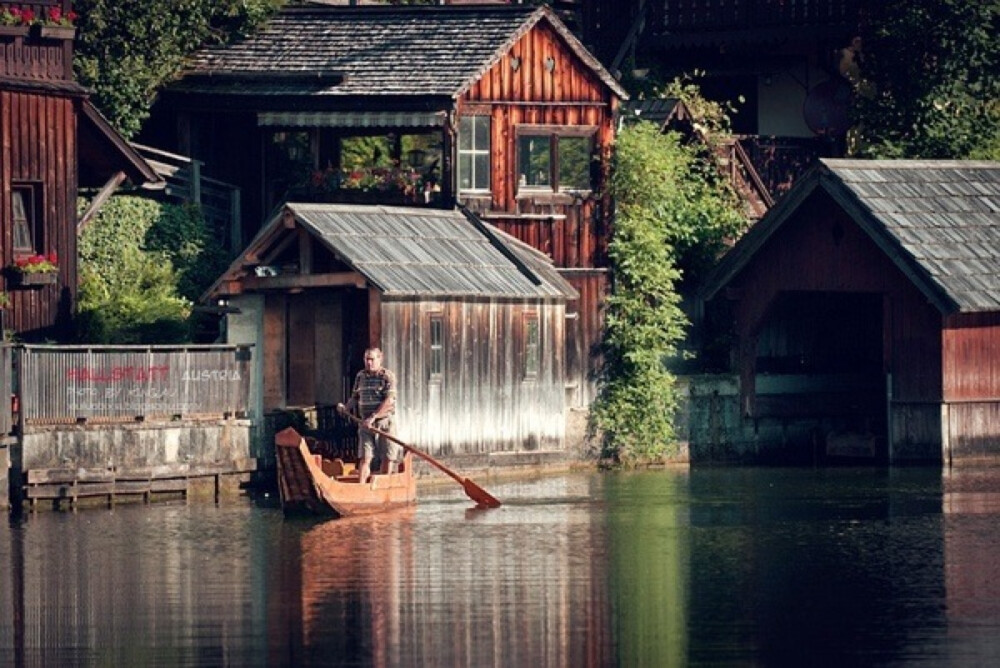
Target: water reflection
{"x": 668, "y": 568}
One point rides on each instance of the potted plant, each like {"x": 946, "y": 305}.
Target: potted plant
{"x": 15, "y": 21}
{"x": 58, "y": 25}
{"x": 34, "y": 270}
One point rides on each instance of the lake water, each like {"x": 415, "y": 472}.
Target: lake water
{"x": 708, "y": 567}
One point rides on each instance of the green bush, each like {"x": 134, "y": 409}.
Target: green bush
{"x": 142, "y": 264}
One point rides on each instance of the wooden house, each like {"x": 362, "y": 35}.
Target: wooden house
{"x": 496, "y": 108}
{"x": 471, "y": 320}
{"x": 776, "y": 61}
{"x": 866, "y": 312}
{"x": 52, "y": 142}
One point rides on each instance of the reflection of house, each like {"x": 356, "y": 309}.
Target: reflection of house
{"x": 774, "y": 59}
{"x": 866, "y": 308}
{"x": 471, "y": 320}
{"x": 53, "y": 141}
{"x": 497, "y": 108}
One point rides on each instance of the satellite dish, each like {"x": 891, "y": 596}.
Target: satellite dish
{"x": 827, "y": 108}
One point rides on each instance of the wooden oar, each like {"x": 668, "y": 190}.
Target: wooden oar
{"x": 482, "y": 498}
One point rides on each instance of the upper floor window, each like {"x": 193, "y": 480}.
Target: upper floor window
{"x": 474, "y": 153}
{"x": 554, "y": 158}
{"x": 27, "y": 232}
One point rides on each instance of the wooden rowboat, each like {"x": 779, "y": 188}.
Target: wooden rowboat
{"x": 311, "y": 484}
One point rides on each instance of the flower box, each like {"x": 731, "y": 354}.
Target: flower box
{"x": 33, "y": 279}
{"x": 56, "y": 32}
{"x": 13, "y": 31}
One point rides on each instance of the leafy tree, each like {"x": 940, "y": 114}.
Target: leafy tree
{"x": 931, "y": 88}
{"x": 141, "y": 264}
{"x": 665, "y": 206}
{"x": 126, "y": 50}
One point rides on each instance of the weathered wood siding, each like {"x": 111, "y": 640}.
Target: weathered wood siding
{"x": 482, "y": 401}
{"x": 826, "y": 251}
{"x": 39, "y": 148}
{"x": 539, "y": 81}
{"x": 971, "y": 415}
{"x": 569, "y": 228}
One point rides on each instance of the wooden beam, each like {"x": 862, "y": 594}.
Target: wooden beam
{"x": 100, "y": 199}
{"x": 288, "y": 281}
{"x": 374, "y": 319}
{"x": 305, "y": 251}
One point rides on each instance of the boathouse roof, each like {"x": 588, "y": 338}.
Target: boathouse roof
{"x": 413, "y": 252}
{"x": 374, "y": 51}
{"x": 937, "y": 220}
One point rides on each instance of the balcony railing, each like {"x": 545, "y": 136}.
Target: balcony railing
{"x": 704, "y": 15}
{"x": 779, "y": 161}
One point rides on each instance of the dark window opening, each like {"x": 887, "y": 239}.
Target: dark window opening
{"x": 555, "y": 158}
{"x": 27, "y": 238}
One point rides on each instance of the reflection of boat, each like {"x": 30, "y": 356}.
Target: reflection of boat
{"x": 312, "y": 484}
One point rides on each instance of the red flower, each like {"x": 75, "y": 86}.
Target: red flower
{"x": 56, "y": 17}
{"x": 27, "y": 16}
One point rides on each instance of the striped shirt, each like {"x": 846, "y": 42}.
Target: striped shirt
{"x": 372, "y": 388}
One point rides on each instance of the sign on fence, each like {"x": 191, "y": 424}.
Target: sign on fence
{"x": 109, "y": 383}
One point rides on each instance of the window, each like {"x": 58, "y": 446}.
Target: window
{"x": 531, "y": 358}
{"x": 436, "y": 362}
{"x": 474, "y": 153}
{"x": 554, "y": 158}
{"x": 27, "y": 232}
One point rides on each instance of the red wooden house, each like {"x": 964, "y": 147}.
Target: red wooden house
{"x": 496, "y": 108}
{"x": 52, "y": 142}
{"x": 866, "y": 315}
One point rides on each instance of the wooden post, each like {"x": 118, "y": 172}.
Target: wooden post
{"x": 374, "y": 318}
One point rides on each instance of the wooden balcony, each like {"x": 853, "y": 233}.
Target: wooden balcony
{"x": 711, "y": 22}
{"x": 37, "y": 53}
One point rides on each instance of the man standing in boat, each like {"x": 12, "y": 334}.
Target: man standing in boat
{"x": 374, "y": 399}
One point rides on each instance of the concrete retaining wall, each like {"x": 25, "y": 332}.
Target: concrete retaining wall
{"x": 717, "y": 432}
{"x": 214, "y": 455}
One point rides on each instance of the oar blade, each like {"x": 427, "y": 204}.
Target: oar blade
{"x": 482, "y": 498}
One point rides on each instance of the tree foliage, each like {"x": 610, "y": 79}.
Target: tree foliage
{"x": 667, "y": 205}
{"x": 142, "y": 263}
{"x": 125, "y": 51}
{"x": 930, "y": 73}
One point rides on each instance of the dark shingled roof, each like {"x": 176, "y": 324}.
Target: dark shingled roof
{"x": 384, "y": 51}
{"x": 423, "y": 252}
{"x": 938, "y": 220}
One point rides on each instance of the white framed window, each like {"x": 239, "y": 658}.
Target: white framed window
{"x": 436, "y": 360}
{"x": 474, "y": 154}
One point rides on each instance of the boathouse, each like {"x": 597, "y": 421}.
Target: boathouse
{"x": 471, "y": 320}
{"x": 497, "y": 108}
{"x": 865, "y": 320}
